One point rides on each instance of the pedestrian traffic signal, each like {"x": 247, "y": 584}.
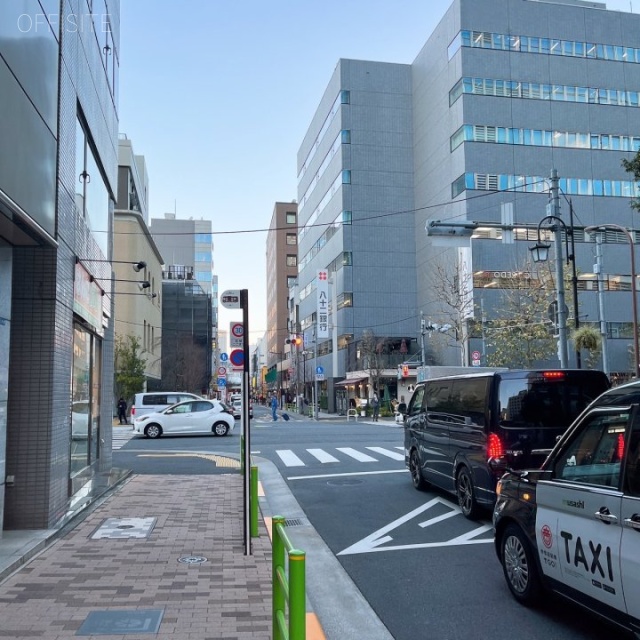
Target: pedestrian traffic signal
{"x": 405, "y": 370}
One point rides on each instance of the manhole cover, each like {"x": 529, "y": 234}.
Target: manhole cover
{"x": 192, "y": 559}
{"x": 121, "y": 622}
{"x": 344, "y": 482}
{"x": 124, "y": 528}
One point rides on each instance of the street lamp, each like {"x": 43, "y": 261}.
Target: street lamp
{"x": 634, "y": 297}
{"x": 540, "y": 253}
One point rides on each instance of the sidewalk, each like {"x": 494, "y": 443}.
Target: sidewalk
{"x": 164, "y": 555}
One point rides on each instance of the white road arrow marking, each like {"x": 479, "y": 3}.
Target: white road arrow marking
{"x": 372, "y": 543}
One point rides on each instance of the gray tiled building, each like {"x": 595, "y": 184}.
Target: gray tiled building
{"x": 58, "y": 171}
{"x": 502, "y": 93}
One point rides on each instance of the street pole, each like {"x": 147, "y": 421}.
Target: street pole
{"x": 315, "y": 369}
{"x": 597, "y": 268}
{"x": 562, "y": 309}
{"x": 422, "y": 330}
{"x": 574, "y": 283}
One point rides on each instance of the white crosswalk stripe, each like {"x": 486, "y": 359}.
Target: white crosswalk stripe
{"x": 354, "y": 453}
{"x": 289, "y": 458}
{"x": 322, "y": 455}
{"x": 386, "y": 452}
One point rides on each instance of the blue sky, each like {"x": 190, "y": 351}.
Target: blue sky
{"x": 218, "y": 95}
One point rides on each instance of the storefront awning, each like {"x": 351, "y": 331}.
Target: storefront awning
{"x": 349, "y": 381}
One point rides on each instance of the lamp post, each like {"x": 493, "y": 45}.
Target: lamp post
{"x": 634, "y": 297}
{"x": 540, "y": 253}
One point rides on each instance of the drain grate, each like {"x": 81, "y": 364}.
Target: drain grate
{"x": 294, "y": 522}
{"x": 121, "y": 622}
{"x": 124, "y": 528}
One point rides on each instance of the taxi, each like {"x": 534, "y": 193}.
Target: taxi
{"x": 573, "y": 526}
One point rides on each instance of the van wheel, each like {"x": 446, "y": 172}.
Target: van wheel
{"x": 220, "y": 429}
{"x": 416, "y": 476}
{"x": 519, "y": 565}
{"x": 153, "y": 431}
{"x": 466, "y": 494}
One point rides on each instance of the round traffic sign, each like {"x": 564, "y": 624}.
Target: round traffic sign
{"x": 237, "y": 357}
{"x": 222, "y": 371}
{"x": 237, "y": 329}
{"x": 319, "y": 370}
{"x": 475, "y": 355}
{"x": 223, "y": 357}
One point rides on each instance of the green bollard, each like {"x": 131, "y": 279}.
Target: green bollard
{"x": 254, "y": 502}
{"x": 297, "y": 597}
{"x": 277, "y": 566}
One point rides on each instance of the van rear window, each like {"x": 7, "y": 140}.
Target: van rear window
{"x": 543, "y": 403}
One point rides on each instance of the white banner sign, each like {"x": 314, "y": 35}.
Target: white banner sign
{"x": 322, "y": 293}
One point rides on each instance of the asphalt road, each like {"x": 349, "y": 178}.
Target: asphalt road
{"x": 427, "y": 571}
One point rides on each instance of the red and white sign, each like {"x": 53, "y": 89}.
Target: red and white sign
{"x": 222, "y": 371}
{"x": 236, "y": 335}
{"x": 236, "y": 358}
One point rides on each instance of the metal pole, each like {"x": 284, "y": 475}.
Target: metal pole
{"x": 422, "y": 330}
{"x": 597, "y": 268}
{"x": 244, "y": 304}
{"x": 562, "y": 309}
{"x": 634, "y": 295}
{"x": 315, "y": 372}
{"x": 574, "y": 283}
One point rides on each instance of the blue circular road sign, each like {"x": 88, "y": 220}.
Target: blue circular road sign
{"x": 223, "y": 357}
{"x": 319, "y": 370}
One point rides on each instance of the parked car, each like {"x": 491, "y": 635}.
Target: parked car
{"x": 573, "y": 526}
{"x": 461, "y": 433}
{"x": 154, "y": 401}
{"x": 190, "y": 417}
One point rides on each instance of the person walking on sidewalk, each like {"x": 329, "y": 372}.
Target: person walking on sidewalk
{"x": 122, "y": 410}
{"x": 375, "y": 405}
{"x": 274, "y": 408}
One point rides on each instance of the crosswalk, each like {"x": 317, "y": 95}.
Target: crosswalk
{"x": 337, "y": 455}
{"x": 121, "y": 435}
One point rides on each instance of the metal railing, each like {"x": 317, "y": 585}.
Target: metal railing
{"x": 289, "y": 593}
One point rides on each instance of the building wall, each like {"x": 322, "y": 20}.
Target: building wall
{"x": 437, "y": 166}
{"x": 378, "y": 231}
{"x": 41, "y": 353}
{"x": 278, "y": 275}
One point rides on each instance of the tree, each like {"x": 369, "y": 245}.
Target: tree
{"x": 129, "y": 367}
{"x": 520, "y": 337}
{"x": 633, "y": 166}
{"x": 452, "y": 286}
{"x": 372, "y": 349}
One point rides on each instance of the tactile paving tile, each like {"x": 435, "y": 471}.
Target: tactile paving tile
{"x": 124, "y": 528}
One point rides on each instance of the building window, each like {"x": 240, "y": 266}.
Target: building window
{"x": 292, "y": 260}
{"x": 291, "y": 217}
{"x": 345, "y": 136}
{"x": 291, "y": 281}
{"x": 345, "y": 97}
{"x": 92, "y": 197}
{"x": 203, "y": 238}
{"x": 291, "y": 238}
{"x": 346, "y": 177}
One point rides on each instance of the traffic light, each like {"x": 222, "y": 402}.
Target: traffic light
{"x": 405, "y": 370}
{"x": 297, "y": 341}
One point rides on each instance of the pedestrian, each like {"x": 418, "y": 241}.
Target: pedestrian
{"x": 122, "y": 410}
{"x": 274, "y": 408}
{"x": 375, "y": 405}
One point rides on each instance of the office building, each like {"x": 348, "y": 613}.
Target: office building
{"x": 58, "y": 183}
{"x": 137, "y": 313}
{"x": 282, "y": 270}
{"x": 503, "y": 93}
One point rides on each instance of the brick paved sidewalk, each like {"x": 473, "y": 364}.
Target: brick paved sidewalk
{"x": 69, "y": 586}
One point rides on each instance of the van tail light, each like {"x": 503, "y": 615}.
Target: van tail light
{"x": 133, "y": 411}
{"x": 553, "y": 375}
{"x": 495, "y": 448}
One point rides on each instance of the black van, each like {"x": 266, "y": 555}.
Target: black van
{"x": 461, "y": 433}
